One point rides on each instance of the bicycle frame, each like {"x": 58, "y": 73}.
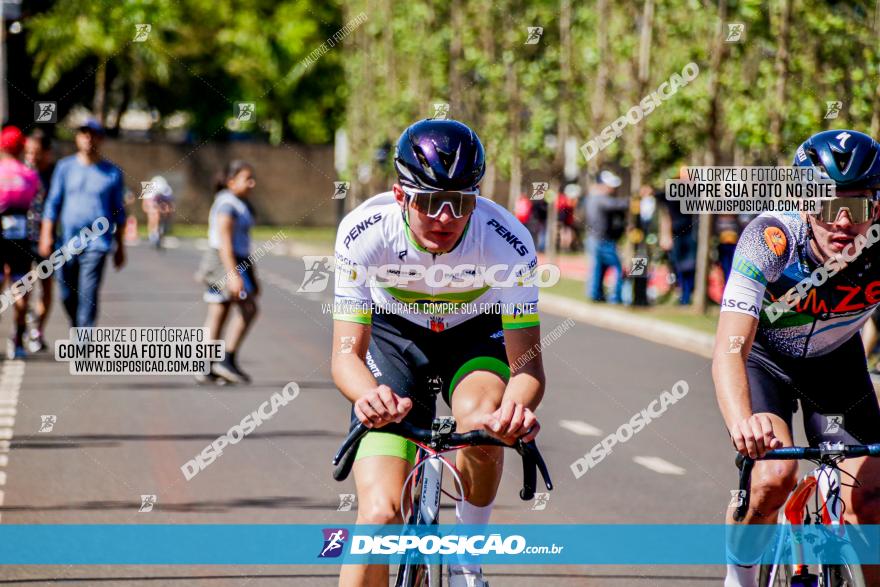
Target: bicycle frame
{"x": 428, "y": 474}
{"x": 822, "y": 484}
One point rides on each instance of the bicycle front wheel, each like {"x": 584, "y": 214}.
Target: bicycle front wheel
{"x": 842, "y": 576}
{"x": 778, "y": 575}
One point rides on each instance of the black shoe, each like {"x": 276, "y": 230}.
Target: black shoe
{"x": 206, "y": 378}
{"x": 228, "y": 370}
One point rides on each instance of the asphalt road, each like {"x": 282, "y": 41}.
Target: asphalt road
{"x": 117, "y": 438}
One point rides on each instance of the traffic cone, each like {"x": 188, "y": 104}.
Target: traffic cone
{"x": 131, "y": 230}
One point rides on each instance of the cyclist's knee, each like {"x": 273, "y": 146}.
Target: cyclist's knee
{"x": 470, "y": 411}
{"x": 379, "y": 510}
{"x": 865, "y": 506}
{"x": 771, "y": 488}
{"x": 471, "y": 403}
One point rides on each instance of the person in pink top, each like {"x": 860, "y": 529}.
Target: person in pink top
{"x": 18, "y": 187}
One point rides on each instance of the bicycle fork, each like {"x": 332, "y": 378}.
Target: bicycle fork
{"x": 823, "y": 485}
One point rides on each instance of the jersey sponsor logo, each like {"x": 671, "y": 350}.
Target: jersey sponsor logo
{"x": 360, "y": 227}
{"x": 374, "y": 368}
{"x": 511, "y": 238}
{"x": 745, "y": 267}
{"x": 775, "y": 239}
{"x": 855, "y": 298}
{"x": 740, "y": 305}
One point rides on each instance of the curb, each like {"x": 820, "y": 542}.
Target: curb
{"x": 644, "y": 327}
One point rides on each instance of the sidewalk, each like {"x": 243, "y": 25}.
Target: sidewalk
{"x": 622, "y": 319}
{"x": 608, "y": 317}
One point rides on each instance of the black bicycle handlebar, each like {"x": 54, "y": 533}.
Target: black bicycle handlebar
{"x": 531, "y": 456}
{"x": 746, "y": 464}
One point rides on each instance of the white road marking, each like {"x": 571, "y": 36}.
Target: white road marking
{"x": 659, "y": 465}
{"x": 580, "y": 427}
{"x": 10, "y": 385}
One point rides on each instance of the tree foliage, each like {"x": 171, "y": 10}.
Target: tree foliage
{"x": 205, "y": 55}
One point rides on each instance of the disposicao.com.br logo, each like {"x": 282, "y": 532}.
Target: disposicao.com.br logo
{"x": 432, "y": 544}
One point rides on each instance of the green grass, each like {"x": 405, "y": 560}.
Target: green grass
{"x": 681, "y": 315}
{"x": 308, "y": 234}
{"x": 570, "y": 288}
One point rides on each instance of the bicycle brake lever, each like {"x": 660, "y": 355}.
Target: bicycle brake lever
{"x": 532, "y": 463}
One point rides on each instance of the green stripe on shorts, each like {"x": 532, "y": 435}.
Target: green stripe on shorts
{"x": 385, "y": 444}
{"x": 491, "y": 364}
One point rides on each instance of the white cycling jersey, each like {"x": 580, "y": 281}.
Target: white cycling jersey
{"x": 381, "y": 268}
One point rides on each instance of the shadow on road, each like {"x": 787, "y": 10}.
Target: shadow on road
{"x": 109, "y": 440}
{"x": 216, "y": 506}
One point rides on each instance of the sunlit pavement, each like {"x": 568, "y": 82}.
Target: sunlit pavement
{"x": 117, "y": 438}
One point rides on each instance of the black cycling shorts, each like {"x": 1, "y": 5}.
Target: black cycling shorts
{"x": 418, "y": 363}
{"x": 834, "y": 390}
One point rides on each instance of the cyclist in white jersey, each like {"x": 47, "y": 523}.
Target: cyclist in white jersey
{"x": 448, "y": 308}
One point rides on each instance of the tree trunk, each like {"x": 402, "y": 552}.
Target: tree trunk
{"x": 513, "y": 119}
{"x": 713, "y": 156}
{"x": 455, "y": 57}
{"x": 875, "y": 102}
{"x": 99, "y": 102}
{"x": 563, "y": 121}
{"x": 643, "y": 77}
{"x": 598, "y": 102}
{"x": 631, "y": 248}
{"x": 781, "y": 68}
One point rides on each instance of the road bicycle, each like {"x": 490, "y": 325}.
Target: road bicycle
{"x": 420, "y": 496}
{"x": 815, "y": 500}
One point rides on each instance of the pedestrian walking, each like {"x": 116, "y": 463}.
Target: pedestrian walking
{"x": 38, "y": 156}
{"x": 86, "y": 191}
{"x": 227, "y": 269}
{"x": 18, "y": 187}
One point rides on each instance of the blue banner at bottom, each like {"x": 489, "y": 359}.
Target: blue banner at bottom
{"x": 571, "y": 544}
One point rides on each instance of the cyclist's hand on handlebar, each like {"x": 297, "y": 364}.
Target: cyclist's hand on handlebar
{"x": 512, "y": 421}
{"x": 754, "y": 436}
{"x": 381, "y": 406}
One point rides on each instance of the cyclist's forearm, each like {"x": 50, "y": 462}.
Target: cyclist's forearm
{"x": 526, "y": 389}
{"x": 352, "y": 376}
{"x": 732, "y": 388}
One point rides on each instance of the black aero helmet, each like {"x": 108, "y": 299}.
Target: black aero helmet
{"x": 436, "y": 155}
{"x": 849, "y": 158}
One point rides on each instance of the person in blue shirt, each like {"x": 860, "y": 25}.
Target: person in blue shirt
{"x": 85, "y": 187}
